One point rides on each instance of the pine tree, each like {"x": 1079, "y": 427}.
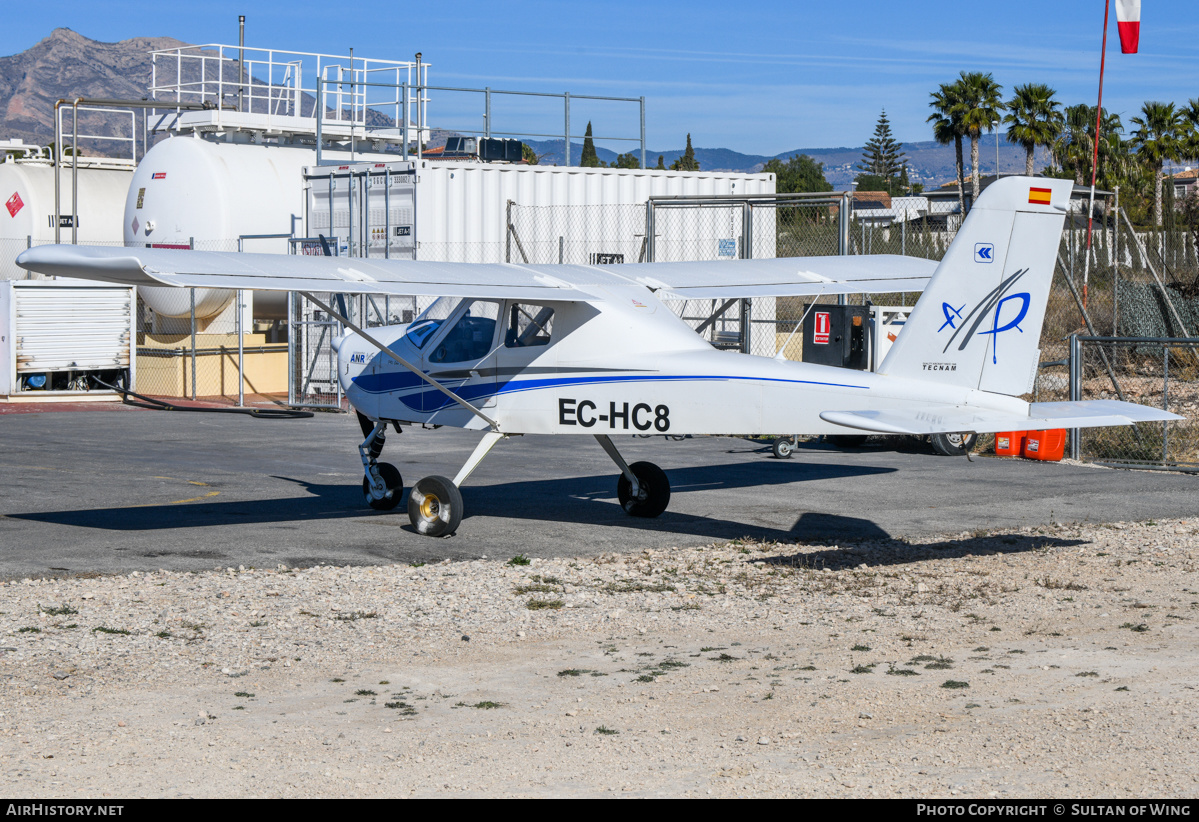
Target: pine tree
{"x": 883, "y": 155}
{"x": 661, "y": 166}
{"x": 589, "y": 159}
{"x": 687, "y": 162}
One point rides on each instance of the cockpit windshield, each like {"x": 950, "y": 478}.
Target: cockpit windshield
{"x": 426, "y": 325}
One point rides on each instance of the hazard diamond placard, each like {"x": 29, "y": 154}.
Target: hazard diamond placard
{"x": 14, "y": 204}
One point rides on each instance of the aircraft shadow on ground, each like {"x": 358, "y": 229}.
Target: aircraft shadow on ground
{"x": 575, "y": 500}
{"x": 880, "y": 549}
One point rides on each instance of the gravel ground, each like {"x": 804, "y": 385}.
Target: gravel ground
{"x": 1042, "y": 662}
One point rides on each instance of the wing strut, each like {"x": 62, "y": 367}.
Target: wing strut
{"x": 346, "y": 321}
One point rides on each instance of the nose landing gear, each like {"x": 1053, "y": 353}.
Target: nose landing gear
{"x": 382, "y": 485}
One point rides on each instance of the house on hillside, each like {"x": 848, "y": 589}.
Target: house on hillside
{"x": 1184, "y": 183}
{"x": 936, "y": 210}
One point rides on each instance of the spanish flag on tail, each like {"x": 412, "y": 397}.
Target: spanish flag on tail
{"x": 1128, "y": 18}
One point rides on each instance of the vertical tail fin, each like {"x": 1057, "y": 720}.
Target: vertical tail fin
{"x": 978, "y": 324}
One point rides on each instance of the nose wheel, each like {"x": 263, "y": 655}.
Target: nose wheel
{"x": 385, "y": 493}
{"x": 382, "y": 485}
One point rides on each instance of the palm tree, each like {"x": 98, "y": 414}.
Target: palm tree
{"x": 1159, "y": 138}
{"x": 1190, "y": 143}
{"x": 980, "y": 106}
{"x": 1072, "y": 148}
{"x": 947, "y": 128}
{"x": 1033, "y": 119}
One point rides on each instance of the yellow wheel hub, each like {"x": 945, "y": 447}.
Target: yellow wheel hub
{"x": 430, "y": 507}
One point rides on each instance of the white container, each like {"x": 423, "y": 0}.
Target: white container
{"x": 27, "y": 207}
{"x": 55, "y": 326}
{"x": 462, "y": 208}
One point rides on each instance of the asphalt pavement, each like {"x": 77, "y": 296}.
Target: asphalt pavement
{"x": 116, "y": 490}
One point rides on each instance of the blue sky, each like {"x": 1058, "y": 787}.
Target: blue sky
{"x": 762, "y": 78}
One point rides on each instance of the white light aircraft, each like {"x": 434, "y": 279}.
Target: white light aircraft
{"x": 566, "y": 349}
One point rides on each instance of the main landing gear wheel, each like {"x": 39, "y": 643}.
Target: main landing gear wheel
{"x": 435, "y": 506}
{"x": 655, "y": 491}
{"x": 395, "y": 488}
{"x": 953, "y": 445}
{"x": 783, "y": 448}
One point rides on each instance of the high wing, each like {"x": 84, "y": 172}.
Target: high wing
{"x": 1041, "y": 416}
{"x": 783, "y": 276}
{"x": 806, "y": 276}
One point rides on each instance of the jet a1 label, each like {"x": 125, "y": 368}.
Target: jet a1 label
{"x": 642, "y": 416}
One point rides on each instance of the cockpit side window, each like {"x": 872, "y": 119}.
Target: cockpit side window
{"x": 471, "y": 338}
{"x": 528, "y": 325}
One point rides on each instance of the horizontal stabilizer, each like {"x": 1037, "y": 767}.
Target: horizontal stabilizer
{"x": 962, "y": 418}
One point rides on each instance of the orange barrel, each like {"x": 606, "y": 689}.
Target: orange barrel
{"x": 1045, "y": 445}
{"x": 1009, "y": 443}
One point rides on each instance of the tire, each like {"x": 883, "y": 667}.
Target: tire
{"x": 395, "y": 488}
{"x": 847, "y": 440}
{"x": 435, "y": 507}
{"x": 783, "y": 448}
{"x": 953, "y": 445}
{"x": 654, "y": 482}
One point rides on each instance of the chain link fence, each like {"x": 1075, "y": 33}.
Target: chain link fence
{"x": 312, "y": 362}
{"x": 730, "y": 228}
{"x": 1158, "y": 372}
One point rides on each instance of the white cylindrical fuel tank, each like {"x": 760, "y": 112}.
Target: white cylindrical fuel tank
{"x": 27, "y": 216}
{"x": 189, "y": 190}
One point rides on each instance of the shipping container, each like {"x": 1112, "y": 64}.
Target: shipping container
{"x": 463, "y": 210}
{"x": 55, "y": 335}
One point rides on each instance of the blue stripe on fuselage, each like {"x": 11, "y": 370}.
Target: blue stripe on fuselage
{"x": 432, "y": 400}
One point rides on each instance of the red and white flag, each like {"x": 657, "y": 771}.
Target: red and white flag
{"x": 1128, "y": 19}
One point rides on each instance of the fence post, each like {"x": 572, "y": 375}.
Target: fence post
{"x": 1166, "y": 403}
{"x": 241, "y": 365}
{"x": 1116, "y": 266}
{"x": 649, "y": 231}
{"x": 292, "y": 330}
{"x": 193, "y": 318}
{"x": 643, "y": 165}
{"x": 1075, "y": 389}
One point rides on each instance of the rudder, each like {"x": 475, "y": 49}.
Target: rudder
{"x": 978, "y": 324}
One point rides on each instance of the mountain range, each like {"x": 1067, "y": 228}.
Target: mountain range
{"x": 66, "y": 65}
